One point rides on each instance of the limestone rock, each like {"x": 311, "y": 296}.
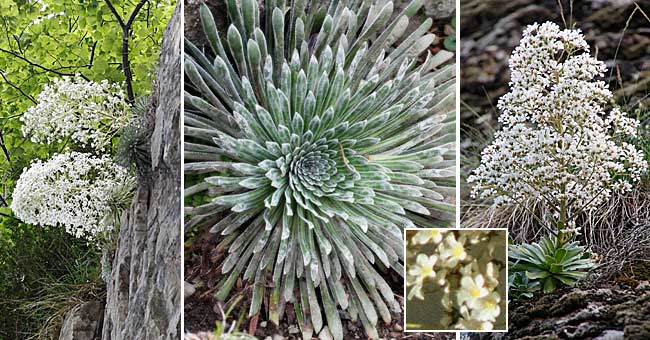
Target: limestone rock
{"x": 609, "y": 313}
{"x": 144, "y": 290}
{"x": 83, "y": 322}
{"x": 439, "y": 8}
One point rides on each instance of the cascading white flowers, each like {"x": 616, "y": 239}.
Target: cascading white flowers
{"x": 72, "y": 190}
{"x": 88, "y": 112}
{"x": 466, "y": 266}
{"x": 557, "y": 144}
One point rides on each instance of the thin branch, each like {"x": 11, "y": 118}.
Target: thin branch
{"x": 126, "y": 32}
{"x": 4, "y": 148}
{"x": 2, "y": 74}
{"x": 92, "y": 55}
{"x": 41, "y": 66}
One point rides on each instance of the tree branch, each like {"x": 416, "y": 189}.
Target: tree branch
{"x": 41, "y": 66}
{"x": 2, "y": 74}
{"x": 126, "y": 33}
{"x": 92, "y": 55}
{"x": 6, "y": 152}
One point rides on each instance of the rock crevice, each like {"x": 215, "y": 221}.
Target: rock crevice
{"x": 143, "y": 293}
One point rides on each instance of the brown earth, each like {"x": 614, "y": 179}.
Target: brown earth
{"x": 203, "y": 311}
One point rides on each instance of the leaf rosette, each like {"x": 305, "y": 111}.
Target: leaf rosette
{"x": 318, "y": 141}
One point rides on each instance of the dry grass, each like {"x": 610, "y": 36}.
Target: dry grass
{"x": 617, "y": 231}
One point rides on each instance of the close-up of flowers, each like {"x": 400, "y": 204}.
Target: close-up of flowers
{"x": 455, "y": 279}
{"x": 90, "y": 113}
{"x": 72, "y": 190}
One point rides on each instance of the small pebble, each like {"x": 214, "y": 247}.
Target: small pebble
{"x": 293, "y": 330}
{"x": 278, "y": 337}
{"x": 188, "y": 289}
{"x": 397, "y": 327}
{"x": 268, "y": 338}
{"x": 263, "y": 324}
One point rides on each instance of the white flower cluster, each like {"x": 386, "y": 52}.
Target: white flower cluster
{"x": 465, "y": 267}
{"x": 556, "y": 143}
{"x": 89, "y": 113}
{"x": 72, "y": 190}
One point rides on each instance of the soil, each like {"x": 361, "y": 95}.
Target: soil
{"x": 203, "y": 311}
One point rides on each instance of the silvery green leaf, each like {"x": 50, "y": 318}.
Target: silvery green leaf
{"x": 322, "y": 137}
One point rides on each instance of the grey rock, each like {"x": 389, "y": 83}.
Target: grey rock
{"x": 188, "y": 289}
{"x": 611, "y": 335}
{"x": 439, "y": 8}
{"x": 144, "y": 290}
{"x": 293, "y": 330}
{"x": 278, "y": 337}
{"x": 83, "y": 322}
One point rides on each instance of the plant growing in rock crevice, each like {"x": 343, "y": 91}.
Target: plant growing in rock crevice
{"x": 318, "y": 142}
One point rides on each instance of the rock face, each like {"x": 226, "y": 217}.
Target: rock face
{"x": 83, "y": 322}
{"x": 144, "y": 290}
{"x": 608, "y": 313}
{"x": 439, "y": 8}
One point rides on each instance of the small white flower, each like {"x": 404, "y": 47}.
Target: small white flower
{"x": 452, "y": 251}
{"x": 71, "y": 190}
{"x": 89, "y": 113}
{"x": 472, "y": 289}
{"x": 556, "y": 139}
{"x": 486, "y": 308}
{"x": 423, "y": 267}
{"x": 427, "y": 236}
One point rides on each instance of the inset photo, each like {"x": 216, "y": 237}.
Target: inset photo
{"x": 456, "y": 279}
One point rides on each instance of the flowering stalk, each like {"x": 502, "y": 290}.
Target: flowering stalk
{"x": 557, "y": 145}
{"x": 77, "y": 191}
{"x": 89, "y": 113}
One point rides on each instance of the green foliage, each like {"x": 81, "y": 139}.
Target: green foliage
{"x": 85, "y": 40}
{"x": 43, "y": 271}
{"x": 318, "y": 148}
{"x": 450, "y": 40}
{"x": 549, "y": 264}
{"x": 132, "y": 149}
{"x": 521, "y": 286}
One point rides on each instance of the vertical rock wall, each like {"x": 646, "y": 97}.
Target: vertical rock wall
{"x": 143, "y": 294}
